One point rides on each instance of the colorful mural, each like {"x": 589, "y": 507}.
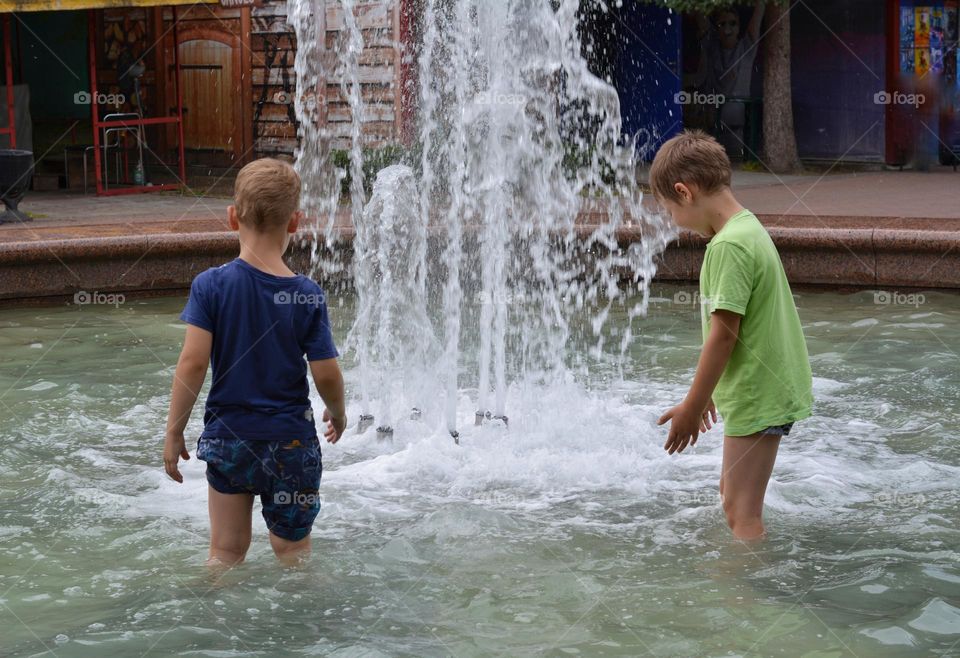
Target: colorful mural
{"x": 928, "y": 37}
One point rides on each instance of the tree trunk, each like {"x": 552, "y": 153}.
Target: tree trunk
{"x": 780, "y": 141}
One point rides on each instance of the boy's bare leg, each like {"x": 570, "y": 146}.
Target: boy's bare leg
{"x": 747, "y": 465}
{"x": 290, "y": 553}
{"x": 230, "y": 527}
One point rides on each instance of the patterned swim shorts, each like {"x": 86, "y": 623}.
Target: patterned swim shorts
{"x": 778, "y": 430}
{"x": 285, "y": 474}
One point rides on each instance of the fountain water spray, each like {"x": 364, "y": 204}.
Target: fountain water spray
{"x": 392, "y": 335}
{"x": 471, "y": 263}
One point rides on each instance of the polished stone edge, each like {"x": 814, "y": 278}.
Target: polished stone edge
{"x": 858, "y": 257}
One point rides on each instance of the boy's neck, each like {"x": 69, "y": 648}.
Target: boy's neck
{"x": 718, "y": 209}
{"x": 264, "y": 251}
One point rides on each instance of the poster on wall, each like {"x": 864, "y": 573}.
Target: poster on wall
{"x": 936, "y": 39}
{"x": 928, "y": 37}
{"x": 921, "y": 35}
{"x": 906, "y": 39}
{"x": 906, "y": 27}
{"x": 921, "y": 64}
{"x": 951, "y": 41}
{"x": 906, "y": 61}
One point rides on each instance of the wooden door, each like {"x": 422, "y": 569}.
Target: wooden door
{"x": 211, "y": 100}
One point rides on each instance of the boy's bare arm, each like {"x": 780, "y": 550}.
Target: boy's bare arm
{"x": 329, "y": 382}
{"x": 694, "y": 413}
{"x": 187, "y": 381}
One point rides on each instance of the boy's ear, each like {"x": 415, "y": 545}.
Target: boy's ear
{"x": 295, "y": 221}
{"x": 232, "y": 218}
{"x": 683, "y": 191}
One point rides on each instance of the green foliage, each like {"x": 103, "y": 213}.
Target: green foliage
{"x": 576, "y": 158}
{"x": 374, "y": 159}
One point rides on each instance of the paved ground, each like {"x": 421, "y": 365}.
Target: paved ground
{"x": 908, "y": 194}
{"x": 880, "y": 199}
{"x": 59, "y": 215}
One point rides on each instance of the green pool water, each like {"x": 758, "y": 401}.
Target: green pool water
{"x": 571, "y": 533}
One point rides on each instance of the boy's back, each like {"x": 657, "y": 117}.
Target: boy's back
{"x": 258, "y": 325}
{"x": 262, "y": 327}
{"x": 767, "y": 381}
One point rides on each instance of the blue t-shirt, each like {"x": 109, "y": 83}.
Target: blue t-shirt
{"x": 262, "y": 327}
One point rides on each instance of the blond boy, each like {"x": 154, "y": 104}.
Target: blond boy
{"x": 260, "y": 327}
{"x": 754, "y": 362}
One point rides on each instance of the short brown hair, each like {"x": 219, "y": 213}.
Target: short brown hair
{"x": 266, "y": 194}
{"x": 692, "y": 157}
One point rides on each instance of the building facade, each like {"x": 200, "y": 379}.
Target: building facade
{"x": 215, "y": 78}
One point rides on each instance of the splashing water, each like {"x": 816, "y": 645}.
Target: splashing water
{"x": 523, "y": 183}
{"x": 392, "y": 329}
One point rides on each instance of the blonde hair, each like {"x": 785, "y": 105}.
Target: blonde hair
{"x": 692, "y": 157}
{"x": 266, "y": 193}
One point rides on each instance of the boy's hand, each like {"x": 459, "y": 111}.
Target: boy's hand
{"x": 174, "y": 447}
{"x": 709, "y": 417}
{"x": 684, "y": 429}
{"x": 335, "y": 426}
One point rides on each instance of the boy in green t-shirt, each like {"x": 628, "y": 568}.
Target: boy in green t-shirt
{"x": 754, "y": 363}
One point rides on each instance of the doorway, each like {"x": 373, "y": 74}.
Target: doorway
{"x": 212, "y": 108}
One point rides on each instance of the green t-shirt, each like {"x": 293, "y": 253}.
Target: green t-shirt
{"x": 767, "y": 380}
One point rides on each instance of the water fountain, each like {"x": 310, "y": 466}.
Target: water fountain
{"x": 392, "y": 335}
{"x": 475, "y": 248}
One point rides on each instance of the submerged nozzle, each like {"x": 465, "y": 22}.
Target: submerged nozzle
{"x": 365, "y": 421}
{"x": 415, "y": 413}
{"x": 384, "y": 432}
{"x": 455, "y": 435}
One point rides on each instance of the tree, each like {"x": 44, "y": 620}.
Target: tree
{"x": 779, "y": 138}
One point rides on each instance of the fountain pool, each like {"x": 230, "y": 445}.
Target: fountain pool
{"x": 571, "y": 532}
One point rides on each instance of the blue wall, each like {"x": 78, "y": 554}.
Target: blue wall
{"x": 648, "y": 73}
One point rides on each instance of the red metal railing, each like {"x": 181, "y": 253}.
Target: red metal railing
{"x": 131, "y": 123}
{"x": 11, "y": 128}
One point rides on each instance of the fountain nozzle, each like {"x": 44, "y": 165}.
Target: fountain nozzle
{"x": 365, "y": 421}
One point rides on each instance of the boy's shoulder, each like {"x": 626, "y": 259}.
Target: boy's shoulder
{"x": 213, "y": 275}
{"x": 307, "y": 284}
{"x": 743, "y": 232}
{"x": 237, "y": 275}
